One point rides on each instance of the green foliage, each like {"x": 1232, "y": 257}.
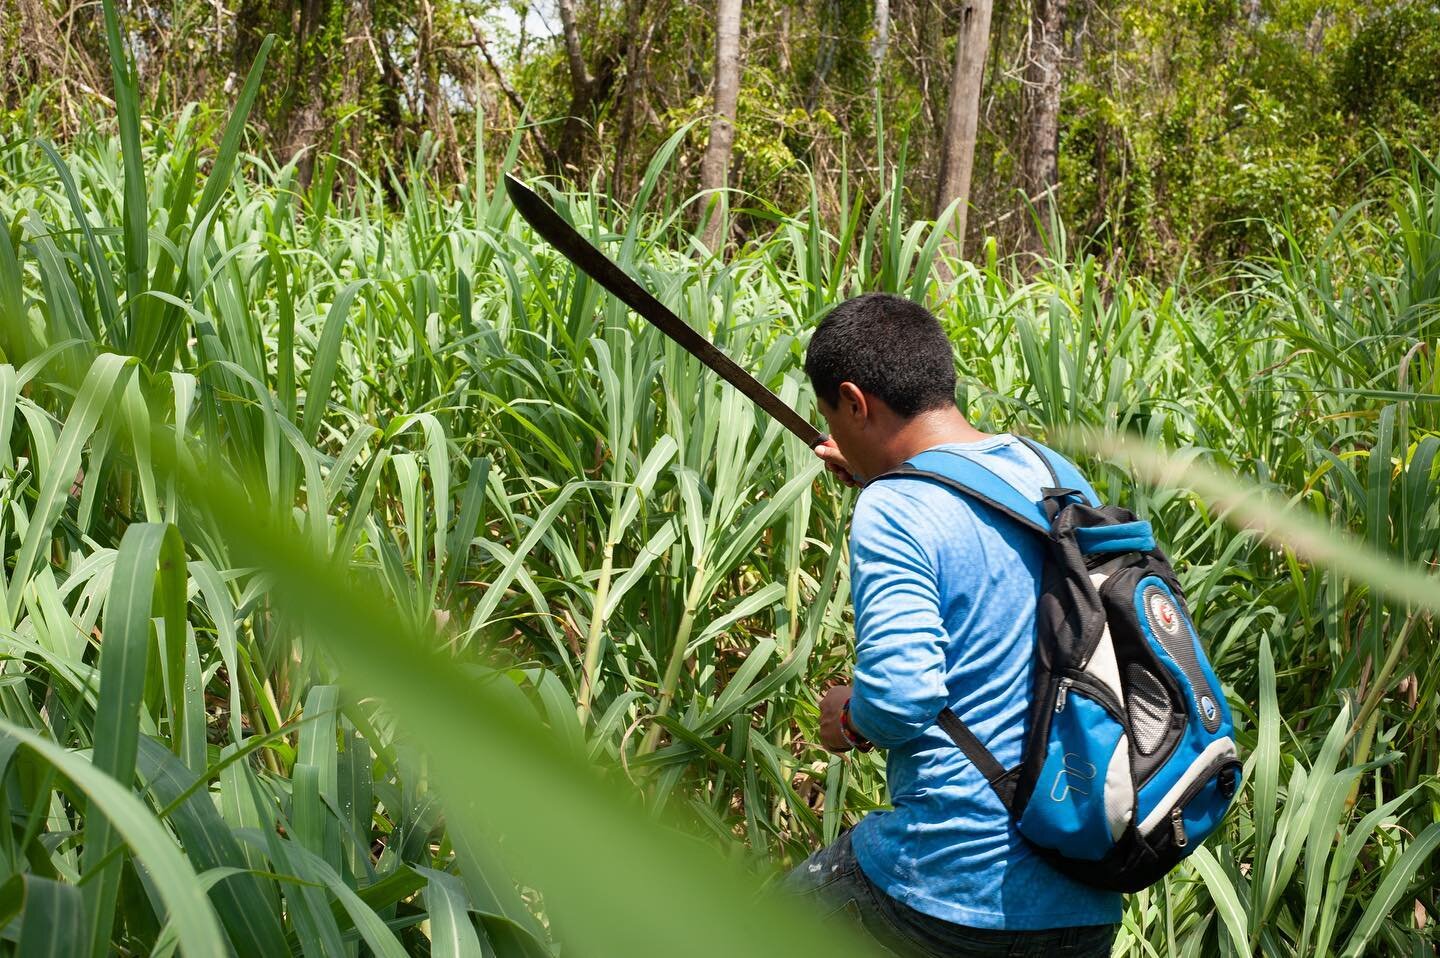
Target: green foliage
{"x": 1392, "y": 65}
{"x": 1187, "y": 126}
{"x": 375, "y": 583}
{"x": 1195, "y": 125}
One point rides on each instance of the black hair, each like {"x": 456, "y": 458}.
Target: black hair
{"x": 890, "y": 347}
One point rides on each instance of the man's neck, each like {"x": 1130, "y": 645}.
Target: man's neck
{"x": 929, "y": 429}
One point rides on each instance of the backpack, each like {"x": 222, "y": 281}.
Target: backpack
{"x": 1129, "y": 759}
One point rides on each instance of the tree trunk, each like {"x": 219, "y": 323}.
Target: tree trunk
{"x": 252, "y": 18}
{"x": 579, "y": 75}
{"x": 1039, "y": 151}
{"x": 962, "y": 117}
{"x": 881, "y": 40}
{"x": 632, "y": 88}
{"x": 317, "y": 48}
{"x": 438, "y": 116}
{"x": 572, "y": 131}
{"x": 825, "y": 58}
{"x": 589, "y": 88}
{"x": 715, "y": 166}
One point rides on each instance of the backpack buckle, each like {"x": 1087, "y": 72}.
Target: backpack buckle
{"x": 1053, "y": 498}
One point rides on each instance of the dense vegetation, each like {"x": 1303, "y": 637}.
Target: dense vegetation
{"x": 348, "y": 532}
{"x": 1186, "y": 127}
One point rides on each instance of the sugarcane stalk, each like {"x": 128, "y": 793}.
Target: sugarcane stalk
{"x": 671, "y": 679}
{"x": 592, "y": 639}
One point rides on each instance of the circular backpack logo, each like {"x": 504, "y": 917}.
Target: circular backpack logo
{"x": 1207, "y": 705}
{"x": 1163, "y": 613}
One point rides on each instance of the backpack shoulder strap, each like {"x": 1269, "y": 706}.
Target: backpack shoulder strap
{"x": 1063, "y": 471}
{"x": 1001, "y": 779}
{"x": 976, "y": 482}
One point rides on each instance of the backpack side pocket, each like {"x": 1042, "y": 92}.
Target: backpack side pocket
{"x": 1084, "y": 798}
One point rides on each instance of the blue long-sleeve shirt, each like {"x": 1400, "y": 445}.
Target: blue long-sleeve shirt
{"x": 945, "y": 591}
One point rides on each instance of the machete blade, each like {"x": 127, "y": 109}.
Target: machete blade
{"x": 599, "y": 267}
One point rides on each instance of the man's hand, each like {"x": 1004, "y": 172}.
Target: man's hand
{"x": 834, "y": 460}
{"x": 832, "y": 705}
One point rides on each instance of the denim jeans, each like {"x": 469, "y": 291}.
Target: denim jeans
{"x": 832, "y": 878}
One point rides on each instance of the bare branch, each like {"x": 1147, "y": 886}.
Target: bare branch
{"x": 547, "y": 154}
{"x": 580, "y": 76}
{"x": 500, "y": 80}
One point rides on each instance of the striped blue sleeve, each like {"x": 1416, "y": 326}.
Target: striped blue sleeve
{"x": 899, "y": 681}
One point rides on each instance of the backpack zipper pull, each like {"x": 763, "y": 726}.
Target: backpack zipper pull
{"x": 1177, "y": 822}
{"x": 1060, "y": 696}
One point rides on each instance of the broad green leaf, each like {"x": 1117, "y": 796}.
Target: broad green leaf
{"x": 99, "y": 390}
{"x": 1227, "y": 900}
{"x": 1418, "y": 853}
{"x": 52, "y": 916}
{"x": 246, "y": 907}
{"x": 452, "y": 932}
{"x": 149, "y": 565}
{"x": 194, "y": 920}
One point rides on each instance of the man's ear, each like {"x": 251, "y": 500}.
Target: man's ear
{"x": 853, "y": 402}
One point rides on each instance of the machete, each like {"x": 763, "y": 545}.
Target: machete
{"x": 595, "y": 264}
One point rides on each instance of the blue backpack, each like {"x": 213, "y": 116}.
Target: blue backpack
{"x": 1129, "y": 758}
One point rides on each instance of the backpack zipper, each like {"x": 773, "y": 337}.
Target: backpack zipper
{"x": 1210, "y": 775}
{"x": 1177, "y": 812}
{"x": 1100, "y": 693}
{"x": 1177, "y": 824}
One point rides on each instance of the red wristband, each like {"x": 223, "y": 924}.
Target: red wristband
{"x": 861, "y": 743}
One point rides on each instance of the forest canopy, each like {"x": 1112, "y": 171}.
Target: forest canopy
{"x": 1183, "y": 127}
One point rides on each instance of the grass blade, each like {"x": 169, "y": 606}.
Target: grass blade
{"x": 147, "y": 552}
{"x": 52, "y": 917}
{"x": 136, "y": 212}
{"x": 1227, "y": 900}
{"x": 1417, "y": 853}
{"x": 452, "y": 933}
{"x": 174, "y": 880}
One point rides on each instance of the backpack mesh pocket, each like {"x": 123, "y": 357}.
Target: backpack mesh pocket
{"x": 1148, "y": 708}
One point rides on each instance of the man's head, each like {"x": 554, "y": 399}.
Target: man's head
{"x": 876, "y": 362}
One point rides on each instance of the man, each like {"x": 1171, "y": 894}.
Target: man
{"x": 945, "y": 594}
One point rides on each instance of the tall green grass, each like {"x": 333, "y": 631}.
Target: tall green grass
{"x": 376, "y": 584}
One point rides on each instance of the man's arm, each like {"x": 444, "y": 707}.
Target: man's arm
{"x": 899, "y": 683}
